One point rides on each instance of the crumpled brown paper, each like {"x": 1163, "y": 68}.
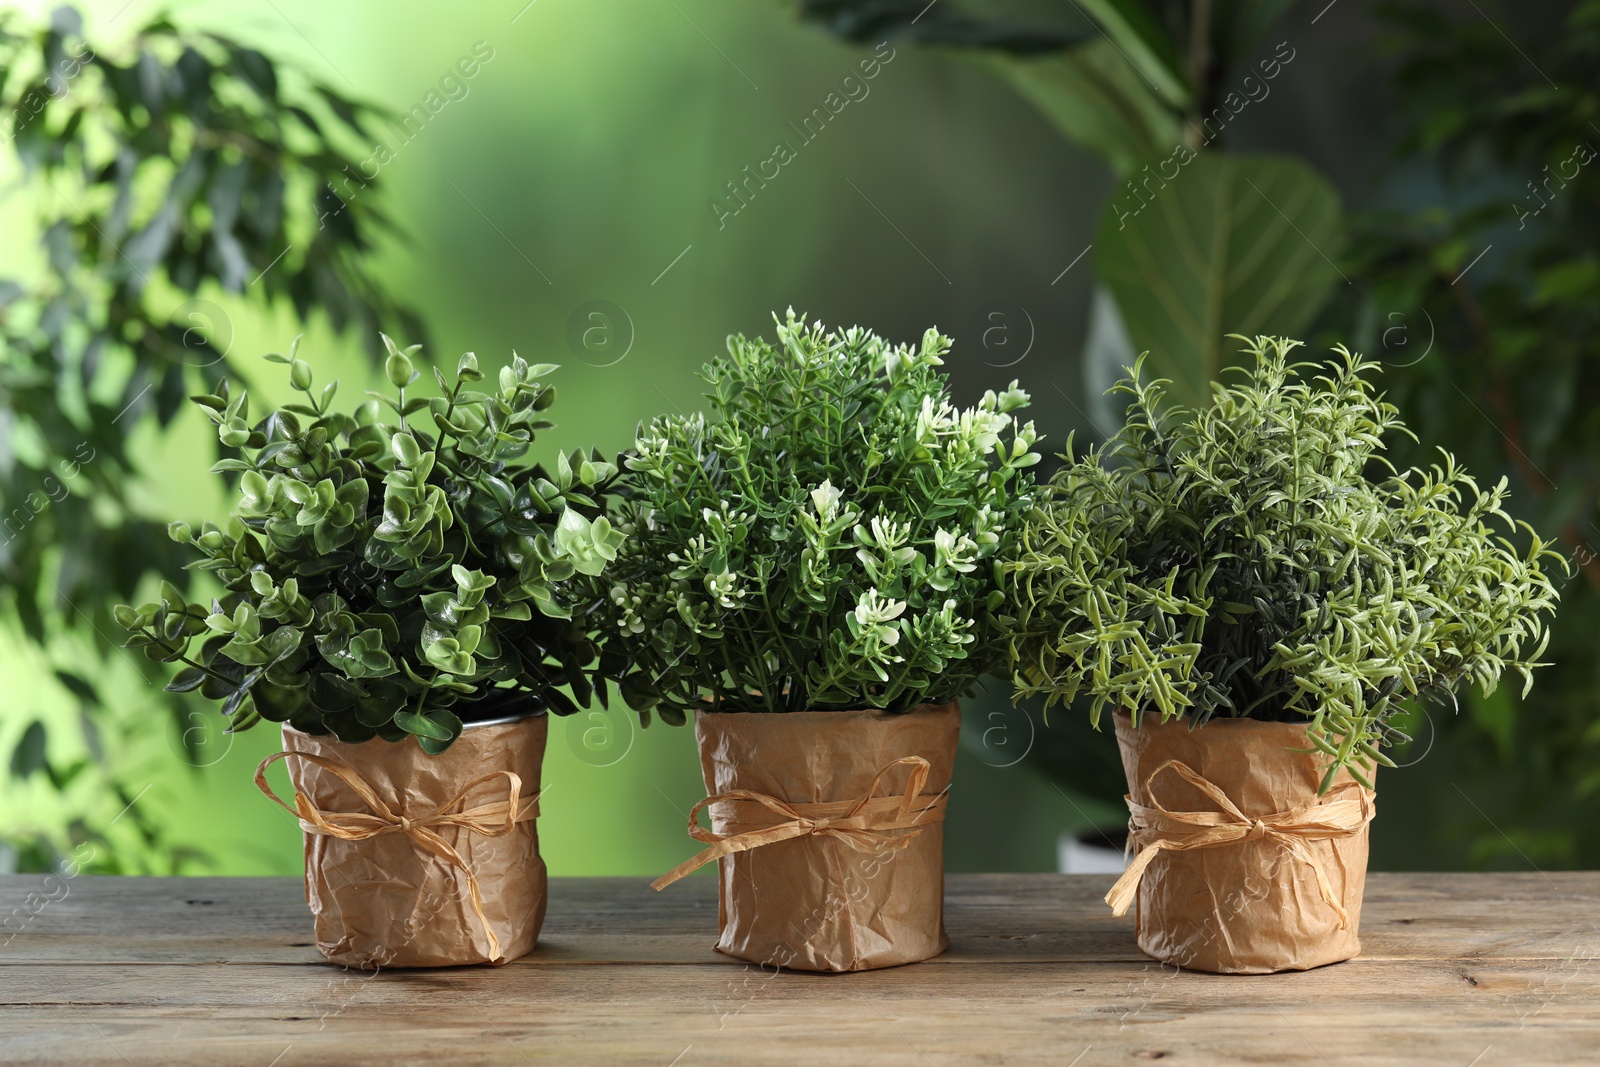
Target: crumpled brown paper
{"x": 813, "y": 902}
{"x": 1251, "y": 905}
{"x": 383, "y": 901}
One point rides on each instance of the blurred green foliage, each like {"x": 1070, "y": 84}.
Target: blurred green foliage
{"x": 560, "y": 200}
{"x": 1480, "y": 288}
{"x": 1195, "y": 243}
{"x": 176, "y": 164}
{"x": 1490, "y": 355}
{"x": 509, "y": 179}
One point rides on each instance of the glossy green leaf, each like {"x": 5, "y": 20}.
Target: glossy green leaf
{"x": 1097, "y": 99}
{"x": 422, "y": 726}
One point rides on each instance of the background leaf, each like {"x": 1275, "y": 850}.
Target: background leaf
{"x": 29, "y": 755}
{"x": 1096, "y": 98}
{"x": 1232, "y": 244}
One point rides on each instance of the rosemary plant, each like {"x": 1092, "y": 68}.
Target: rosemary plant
{"x": 827, "y": 541}
{"x": 384, "y": 579}
{"x": 1260, "y": 558}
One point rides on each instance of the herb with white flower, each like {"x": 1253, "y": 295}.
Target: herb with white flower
{"x": 827, "y": 541}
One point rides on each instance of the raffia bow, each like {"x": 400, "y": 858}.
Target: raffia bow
{"x": 1343, "y": 813}
{"x": 490, "y": 820}
{"x": 862, "y": 824}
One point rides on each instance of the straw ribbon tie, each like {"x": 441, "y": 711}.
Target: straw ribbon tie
{"x": 489, "y": 820}
{"x": 1343, "y": 813}
{"x": 863, "y": 824}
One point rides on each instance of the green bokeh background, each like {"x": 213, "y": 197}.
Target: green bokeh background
{"x": 580, "y": 167}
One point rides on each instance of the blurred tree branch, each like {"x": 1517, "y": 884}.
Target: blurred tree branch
{"x": 165, "y": 172}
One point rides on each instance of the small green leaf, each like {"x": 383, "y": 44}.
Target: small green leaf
{"x": 186, "y": 680}
{"x": 423, "y": 726}
{"x": 398, "y": 369}
{"x": 29, "y": 755}
{"x": 405, "y": 449}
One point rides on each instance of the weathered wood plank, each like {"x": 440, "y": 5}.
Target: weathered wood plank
{"x": 1379, "y": 1011}
{"x": 1459, "y": 970}
{"x": 999, "y": 918}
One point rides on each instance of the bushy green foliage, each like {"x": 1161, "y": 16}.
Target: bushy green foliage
{"x": 384, "y": 580}
{"x": 1241, "y": 560}
{"x": 826, "y": 541}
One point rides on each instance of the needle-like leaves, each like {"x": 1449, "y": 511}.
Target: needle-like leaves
{"x": 1258, "y": 557}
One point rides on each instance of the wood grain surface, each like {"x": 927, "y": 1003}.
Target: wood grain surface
{"x": 1463, "y": 970}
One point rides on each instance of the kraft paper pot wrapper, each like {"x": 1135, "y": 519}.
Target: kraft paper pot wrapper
{"x": 813, "y": 902}
{"x": 1245, "y": 898}
{"x": 387, "y": 900}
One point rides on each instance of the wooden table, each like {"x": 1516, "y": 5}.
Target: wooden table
{"x": 1463, "y": 970}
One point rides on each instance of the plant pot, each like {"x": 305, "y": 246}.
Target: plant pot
{"x": 816, "y": 875}
{"x": 459, "y": 882}
{"x": 1274, "y": 884}
{"x": 1093, "y": 851}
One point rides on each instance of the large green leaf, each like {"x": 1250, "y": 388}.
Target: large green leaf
{"x": 1142, "y": 43}
{"x": 1231, "y": 244}
{"x": 1098, "y": 99}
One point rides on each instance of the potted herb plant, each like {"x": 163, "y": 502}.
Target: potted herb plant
{"x": 1254, "y": 593}
{"x": 811, "y": 572}
{"x": 398, "y": 596}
